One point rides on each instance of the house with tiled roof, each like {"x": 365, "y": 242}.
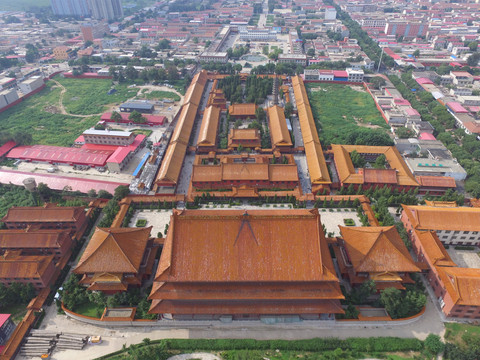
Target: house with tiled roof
{"x": 248, "y": 138}
{"x": 235, "y": 264}
{"x": 242, "y": 111}
{"x": 116, "y": 258}
{"x": 374, "y": 253}
{"x": 279, "y": 134}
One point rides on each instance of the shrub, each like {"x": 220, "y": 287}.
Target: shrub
{"x": 141, "y": 223}
{"x": 459, "y": 247}
{"x": 349, "y": 222}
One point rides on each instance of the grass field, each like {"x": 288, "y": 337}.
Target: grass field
{"x": 35, "y": 116}
{"x": 341, "y": 110}
{"x": 17, "y": 311}
{"x": 89, "y": 96}
{"x": 159, "y": 95}
{"x": 455, "y": 331}
{"x": 89, "y": 309}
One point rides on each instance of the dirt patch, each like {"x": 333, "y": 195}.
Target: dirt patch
{"x": 52, "y": 109}
{"x": 360, "y": 123}
{"x": 358, "y": 88}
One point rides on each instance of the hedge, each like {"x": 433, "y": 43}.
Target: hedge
{"x": 380, "y": 344}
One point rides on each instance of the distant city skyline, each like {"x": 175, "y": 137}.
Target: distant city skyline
{"x": 98, "y": 9}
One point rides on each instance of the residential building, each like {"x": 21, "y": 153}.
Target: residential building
{"x": 257, "y": 35}
{"x": 330, "y": 13}
{"x": 106, "y": 9}
{"x": 461, "y": 78}
{"x": 70, "y": 7}
{"x": 456, "y": 288}
{"x": 31, "y": 84}
{"x": 355, "y": 75}
{"x": 220, "y": 265}
{"x": 108, "y": 137}
{"x": 293, "y": 58}
{"x": 94, "y": 30}
{"x": 220, "y": 57}
{"x": 116, "y": 258}
{"x": 436, "y": 167}
{"x": 374, "y": 253}
{"x": 62, "y": 53}
{"x": 452, "y": 225}
{"x": 407, "y": 29}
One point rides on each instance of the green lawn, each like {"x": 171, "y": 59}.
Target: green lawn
{"x": 342, "y": 110}
{"x": 145, "y": 132}
{"x": 159, "y": 95}
{"x": 455, "y": 331}
{"x": 90, "y": 309}
{"x": 36, "y": 116}
{"x": 89, "y": 96}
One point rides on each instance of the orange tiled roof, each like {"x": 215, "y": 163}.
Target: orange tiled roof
{"x": 346, "y": 171}
{"x": 184, "y": 125}
{"x": 172, "y": 163}
{"x": 441, "y": 203}
{"x": 273, "y": 307}
{"x": 443, "y": 218}
{"x": 209, "y": 127}
{"x": 463, "y": 284}
{"x": 242, "y": 110}
{"x": 24, "y": 266}
{"x": 437, "y": 181}
{"x": 377, "y": 249}
{"x": 115, "y": 250}
{"x": 244, "y": 134}
{"x": 245, "y": 171}
{"x": 195, "y": 90}
{"x": 278, "y": 127}
{"x": 434, "y": 249}
{"x": 41, "y": 214}
{"x": 317, "y": 167}
{"x": 235, "y": 245}
{"x": 34, "y": 239}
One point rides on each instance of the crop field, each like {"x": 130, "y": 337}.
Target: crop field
{"x": 341, "y": 110}
{"x": 89, "y": 96}
{"x": 39, "y": 115}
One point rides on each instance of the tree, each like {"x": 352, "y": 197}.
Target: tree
{"x": 380, "y": 162}
{"x": 116, "y": 116}
{"x": 288, "y": 110}
{"x": 400, "y": 304}
{"x": 378, "y": 82}
{"x": 357, "y": 159}
{"x": 136, "y": 117}
{"x": 121, "y": 192}
{"x": 103, "y": 194}
{"x": 260, "y": 114}
{"x": 44, "y": 191}
{"x": 473, "y": 59}
{"x": 473, "y": 45}
{"x": 416, "y": 53}
{"x": 88, "y": 43}
{"x": 311, "y": 52}
{"x": 92, "y": 193}
{"x": 433, "y": 344}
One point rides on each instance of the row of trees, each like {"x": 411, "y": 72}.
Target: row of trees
{"x": 369, "y": 46}
{"x": 120, "y": 74}
{"x": 16, "y": 293}
{"x": 289, "y": 69}
{"x": 255, "y": 91}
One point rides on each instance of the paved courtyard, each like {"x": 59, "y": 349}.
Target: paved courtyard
{"x": 156, "y": 218}
{"x": 465, "y": 258}
{"x": 331, "y": 218}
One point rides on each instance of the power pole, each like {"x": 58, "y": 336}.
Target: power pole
{"x": 380, "y": 61}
